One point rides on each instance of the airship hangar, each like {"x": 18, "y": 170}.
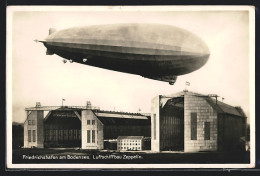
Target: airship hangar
{"x": 184, "y": 121}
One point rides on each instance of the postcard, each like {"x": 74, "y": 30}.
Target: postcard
{"x": 130, "y": 87}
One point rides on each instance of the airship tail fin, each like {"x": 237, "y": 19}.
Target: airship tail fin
{"x": 52, "y": 30}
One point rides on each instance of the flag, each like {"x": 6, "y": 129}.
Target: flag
{"x": 187, "y": 83}
{"x": 63, "y": 99}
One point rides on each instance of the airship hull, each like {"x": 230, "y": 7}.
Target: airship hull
{"x": 148, "y": 50}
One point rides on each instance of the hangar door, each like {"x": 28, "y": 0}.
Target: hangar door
{"x": 62, "y": 128}
{"x": 172, "y": 125}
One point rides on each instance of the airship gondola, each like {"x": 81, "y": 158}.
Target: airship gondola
{"x": 155, "y": 51}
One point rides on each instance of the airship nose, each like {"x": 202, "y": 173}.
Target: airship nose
{"x": 195, "y": 45}
{"x": 195, "y": 51}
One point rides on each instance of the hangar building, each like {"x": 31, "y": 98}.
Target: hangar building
{"x": 84, "y": 127}
{"x": 184, "y": 121}
{"x": 193, "y": 122}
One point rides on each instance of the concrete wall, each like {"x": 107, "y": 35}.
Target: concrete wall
{"x": 33, "y": 122}
{"x": 205, "y": 113}
{"x": 155, "y": 124}
{"x": 40, "y": 129}
{"x": 98, "y": 127}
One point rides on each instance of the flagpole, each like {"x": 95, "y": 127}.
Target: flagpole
{"x": 186, "y": 84}
{"x": 62, "y": 102}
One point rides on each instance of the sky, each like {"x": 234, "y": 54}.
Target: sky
{"x": 37, "y": 77}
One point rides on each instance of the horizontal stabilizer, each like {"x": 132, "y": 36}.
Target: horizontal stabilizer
{"x": 42, "y": 41}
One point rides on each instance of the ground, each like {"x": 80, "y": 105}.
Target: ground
{"x": 36, "y": 155}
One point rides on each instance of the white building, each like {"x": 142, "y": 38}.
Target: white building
{"x": 125, "y": 143}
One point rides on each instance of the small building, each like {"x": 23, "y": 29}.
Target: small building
{"x": 193, "y": 122}
{"x": 134, "y": 143}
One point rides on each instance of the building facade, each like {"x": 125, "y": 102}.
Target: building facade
{"x": 134, "y": 143}
{"x": 82, "y": 127}
{"x": 192, "y": 122}
{"x": 34, "y": 130}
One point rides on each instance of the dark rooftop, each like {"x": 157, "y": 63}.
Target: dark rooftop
{"x": 130, "y": 137}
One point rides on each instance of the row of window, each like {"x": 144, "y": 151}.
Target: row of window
{"x": 31, "y": 122}
{"x": 193, "y": 126}
{"x": 93, "y": 136}
{"x": 60, "y": 135}
{"x": 129, "y": 143}
{"x": 70, "y": 132}
{"x": 93, "y": 122}
{"x": 134, "y": 148}
{"x": 31, "y": 135}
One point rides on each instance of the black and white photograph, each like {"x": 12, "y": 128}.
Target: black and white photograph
{"x": 114, "y": 87}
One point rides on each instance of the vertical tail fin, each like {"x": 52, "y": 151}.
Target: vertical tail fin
{"x": 52, "y": 30}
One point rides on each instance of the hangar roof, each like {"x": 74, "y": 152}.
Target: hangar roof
{"x": 220, "y": 107}
{"x": 67, "y": 113}
{"x": 120, "y": 115}
{"x": 121, "y": 118}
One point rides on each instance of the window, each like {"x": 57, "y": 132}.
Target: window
{"x": 29, "y": 122}
{"x": 93, "y": 122}
{"x": 33, "y": 122}
{"x": 29, "y": 136}
{"x": 93, "y": 136}
{"x": 88, "y": 136}
{"x": 88, "y": 122}
{"x": 193, "y": 125}
{"x": 207, "y": 131}
{"x": 34, "y": 135}
{"x": 154, "y": 126}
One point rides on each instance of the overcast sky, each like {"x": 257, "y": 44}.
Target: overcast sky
{"x": 37, "y": 77}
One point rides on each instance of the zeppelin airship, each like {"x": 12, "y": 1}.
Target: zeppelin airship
{"x": 155, "y": 51}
